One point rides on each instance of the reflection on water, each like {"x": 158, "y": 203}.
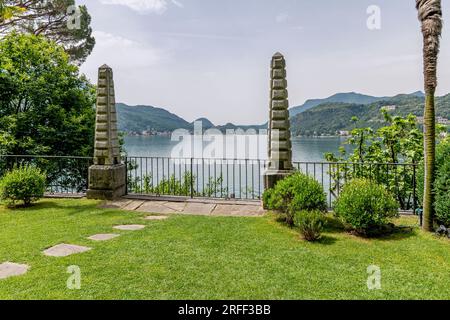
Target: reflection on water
{"x": 305, "y": 149}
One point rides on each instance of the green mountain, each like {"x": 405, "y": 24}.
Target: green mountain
{"x": 147, "y": 118}
{"x": 206, "y": 124}
{"x": 330, "y": 118}
{"x": 140, "y": 119}
{"x": 318, "y": 117}
{"x": 350, "y": 97}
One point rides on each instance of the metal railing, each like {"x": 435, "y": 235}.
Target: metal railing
{"x": 217, "y": 178}
{"x": 399, "y": 178}
{"x": 243, "y": 179}
{"x": 208, "y": 178}
{"x": 65, "y": 175}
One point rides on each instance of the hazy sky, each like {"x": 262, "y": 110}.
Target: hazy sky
{"x": 210, "y": 58}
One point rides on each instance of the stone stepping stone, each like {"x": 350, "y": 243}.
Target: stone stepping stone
{"x": 152, "y": 218}
{"x": 64, "y": 250}
{"x": 9, "y": 269}
{"x": 130, "y": 227}
{"x": 103, "y": 237}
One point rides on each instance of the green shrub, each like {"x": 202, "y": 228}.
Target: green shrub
{"x": 267, "y": 199}
{"x": 296, "y": 193}
{"x": 310, "y": 224}
{"x": 365, "y": 205}
{"x": 26, "y": 184}
{"x": 442, "y": 184}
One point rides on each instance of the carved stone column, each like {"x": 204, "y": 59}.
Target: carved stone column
{"x": 280, "y": 145}
{"x": 107, "y": 177}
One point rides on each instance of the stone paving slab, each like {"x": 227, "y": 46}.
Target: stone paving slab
{"x": 130, "y": 227}
{"x": 199, "y": 208}
{"x": 175, "y": 206}
{"x": 133, "y": 205}
{"x": 64, "y": 250}
{"x": 153, "y": 218}
{"x": 118, "y": 204}
{"x": 103, "y": 237}
{"x": 237, "y": 210}
{"x": 10, "y": 269}
{"x": 156, "y": 207}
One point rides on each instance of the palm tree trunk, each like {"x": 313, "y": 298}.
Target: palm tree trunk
{"x": 430, "y": 15}
{"x": 429, "y": 162}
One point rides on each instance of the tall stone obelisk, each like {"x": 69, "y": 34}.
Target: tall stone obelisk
{"x": 107, "y": 177}
{"x": 280, "y": 145}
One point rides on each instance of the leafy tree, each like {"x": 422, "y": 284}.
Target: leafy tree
{"x": 46, "y": 107}
{"x": 7, "y": 12}
{"x": 376, "y": 153}
{"x": 398, "y": 142}
{"x": 430, "y": 15}
{"x": 58, "y": 20}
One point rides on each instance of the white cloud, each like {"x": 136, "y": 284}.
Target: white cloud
{"x": 144, "y": 6}
{"x": 178, "y": 3}
{"x": 282, "y": 17}
{"x": 121, "y": 53}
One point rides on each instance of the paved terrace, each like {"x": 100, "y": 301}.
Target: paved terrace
{"x": 204, "y": 207}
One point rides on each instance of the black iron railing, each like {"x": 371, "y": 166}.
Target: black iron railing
{"x": 209, "y": 178}
{"x": 243, "y": 179}
{"x": 217, "y": 178}
{"x": 399, "y": 178}
{"x": 65, "y": 175}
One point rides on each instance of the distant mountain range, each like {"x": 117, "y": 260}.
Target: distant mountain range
{"x": 137, "y": 119}
{"x": 315, "y": 117}
{"x": 331, "y": 118}
{"x": 350, "y": 97}
{"x": 149, "y": 120}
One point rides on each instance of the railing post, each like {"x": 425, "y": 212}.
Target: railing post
{"x": 415, "y": 194}
{"x": 126, "y": 175}
{"x": 192, "y": 178}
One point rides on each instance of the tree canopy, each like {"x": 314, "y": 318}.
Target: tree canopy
{"x": 59, "y": 20}
{"x": 46, "y": 107}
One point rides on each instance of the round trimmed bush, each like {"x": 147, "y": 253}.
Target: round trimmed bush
{"x": 295, "y": 193}
{"x": 310, "y": 223}
{"x": 365, "y": 205}
{"x": 24, "y": 184}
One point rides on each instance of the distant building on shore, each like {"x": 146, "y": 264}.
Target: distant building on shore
{"x": 443, "y": 121}
{"x": 440, "y": 120}
{"x": 390, "y": 108}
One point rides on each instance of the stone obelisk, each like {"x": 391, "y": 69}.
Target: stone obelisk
{"x": 107, "y": 177}
{"x": 280, "y": 145}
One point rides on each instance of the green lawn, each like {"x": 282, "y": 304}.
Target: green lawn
{"x": 194, "y": 257}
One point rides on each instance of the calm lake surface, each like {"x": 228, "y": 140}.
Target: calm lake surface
{"x": 154, "y": 163}
{"x": 305, "y": 149}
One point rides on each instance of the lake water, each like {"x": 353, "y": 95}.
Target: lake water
{"x": 305, "y": 149}
{"x": 154, "y": 163}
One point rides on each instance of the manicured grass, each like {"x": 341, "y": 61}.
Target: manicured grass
{"x": 190, "y": 257}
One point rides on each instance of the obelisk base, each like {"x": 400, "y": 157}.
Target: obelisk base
{"x": 271, "y": 177}
{"x": 107, "y": 182}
